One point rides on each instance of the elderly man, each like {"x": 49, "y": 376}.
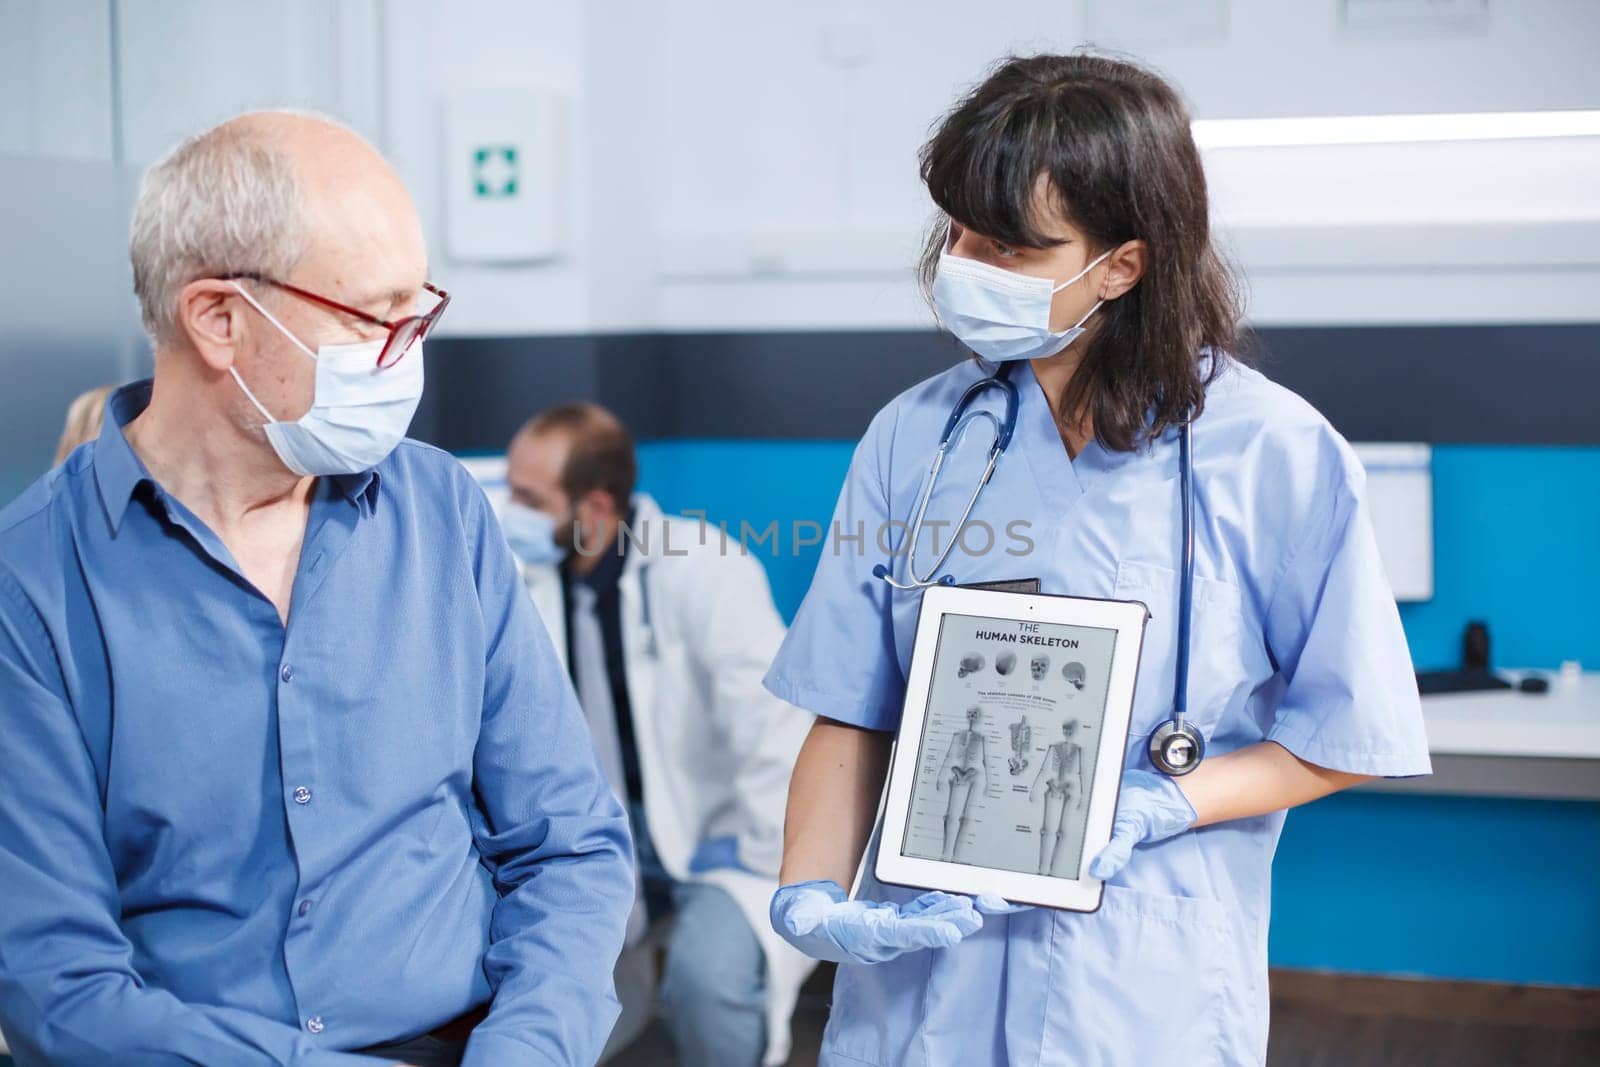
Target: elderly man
{"x": 291, "y": 768}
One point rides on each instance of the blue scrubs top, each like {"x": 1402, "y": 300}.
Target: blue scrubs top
{"x": 1296, "y": 639}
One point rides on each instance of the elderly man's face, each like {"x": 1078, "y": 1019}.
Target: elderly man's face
{"x": 365, "y": 250}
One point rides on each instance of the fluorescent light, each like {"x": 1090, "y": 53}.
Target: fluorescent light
{"x": 1394, "y": 129}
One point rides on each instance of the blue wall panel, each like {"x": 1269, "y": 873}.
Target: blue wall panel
{"x": 1516, "y": 534}
{"x": 758, "y": 482}
{"x": 1483, "y": 888}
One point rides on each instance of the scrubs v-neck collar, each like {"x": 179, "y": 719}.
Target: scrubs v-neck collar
{"x": 1061, "y": 480}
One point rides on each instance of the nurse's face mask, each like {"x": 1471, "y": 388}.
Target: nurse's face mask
{"x": 363, "y": 400}
{"x": 1000, "y": 314}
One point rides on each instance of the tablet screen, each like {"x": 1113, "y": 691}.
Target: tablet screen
{"x": 1010, "y": 739}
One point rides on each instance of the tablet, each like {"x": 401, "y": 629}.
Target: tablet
{"x": 1009, "y": 754}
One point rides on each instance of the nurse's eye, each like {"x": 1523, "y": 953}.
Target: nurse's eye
{"x": 1004, "y": 251}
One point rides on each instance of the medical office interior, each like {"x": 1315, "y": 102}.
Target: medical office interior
{"x": 704, "y": 215}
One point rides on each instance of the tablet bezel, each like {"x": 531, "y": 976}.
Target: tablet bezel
{"x": 1127, "y": 618}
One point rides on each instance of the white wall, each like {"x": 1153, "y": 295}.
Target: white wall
{"x": 431, "y": 51}
{"x": 55, "y": 79}
{"x": 184, "y": 65}
{"x": 752, "y": 165}
{"x": 66, "y": 315}
{"x": 828, "y": 103}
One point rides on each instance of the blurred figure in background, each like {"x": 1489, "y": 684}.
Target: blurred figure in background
{"x": 667, "y": 635}
{"x": 235, "y": 831}
{"x": 83, "y": 421}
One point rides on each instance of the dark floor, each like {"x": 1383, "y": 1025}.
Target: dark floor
{"x": 654, "y": 1048}
{"x": 1303, "y": 1035}
{"x": 1325, "y": 1039}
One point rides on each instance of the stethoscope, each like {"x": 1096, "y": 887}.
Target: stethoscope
{"x": 1176, "y": 746}
{"x": 954, "y": 427}
{"x": 650, "y": 647}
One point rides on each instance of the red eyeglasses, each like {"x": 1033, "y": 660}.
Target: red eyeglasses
{"x": 403, "y": 333}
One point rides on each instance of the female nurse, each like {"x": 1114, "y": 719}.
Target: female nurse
{"x": 1074, "y": 244}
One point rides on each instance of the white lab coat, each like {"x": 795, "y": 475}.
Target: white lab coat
{"x": 715, "y": 748}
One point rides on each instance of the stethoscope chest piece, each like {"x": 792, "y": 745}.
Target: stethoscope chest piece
{"x": 1176, "y": 748}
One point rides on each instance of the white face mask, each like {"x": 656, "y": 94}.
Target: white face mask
{"x": 359, "y": 413}
{"x": 1000, "y": 314}
{"x": 531, "y": 534}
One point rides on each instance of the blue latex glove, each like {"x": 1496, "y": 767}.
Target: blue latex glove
{"x": 816, "y": 918}
{"x": 1150, "y": 807}
{"x": 994, "y": 904}
{"x": 717, "y": 853}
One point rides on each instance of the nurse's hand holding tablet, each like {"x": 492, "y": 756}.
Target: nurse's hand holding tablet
{"x": 818, "y": 919}
{"x": 1151, "y": 808}
{"x": 822, "y": 922}
{"x": 1108, "y": 442}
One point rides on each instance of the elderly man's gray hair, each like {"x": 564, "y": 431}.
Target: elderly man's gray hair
{"x": 224, "y": 201}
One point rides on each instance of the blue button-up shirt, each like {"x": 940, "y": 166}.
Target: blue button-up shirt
{"x": 224, "y": 840}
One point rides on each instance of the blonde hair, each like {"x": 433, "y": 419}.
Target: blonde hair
{"x": 83, "y": 421}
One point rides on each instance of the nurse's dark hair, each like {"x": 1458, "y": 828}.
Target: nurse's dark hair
{"x": 601, "y": 454}
{"x": 1111, "y": 142}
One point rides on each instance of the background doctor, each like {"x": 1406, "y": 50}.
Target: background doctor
{"x": 667, "y": 636}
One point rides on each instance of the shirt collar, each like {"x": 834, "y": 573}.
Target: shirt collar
{"x": 119, "y": 471}
{"x": 359, "y": 488}
{"x": 608, "y": 572}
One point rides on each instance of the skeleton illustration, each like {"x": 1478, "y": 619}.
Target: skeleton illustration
{"x": 1063, "y": 761}
{"x": 966, "y": 771}
{"x": 1005, "y": 663}
{"x": 1039, "y": 667}
{"x": 1021, "y": 741}
{"x": 971, "y": 663}
{"x": 1077, "y": 677}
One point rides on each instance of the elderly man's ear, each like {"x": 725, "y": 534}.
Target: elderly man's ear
{"x": 211, "y": 318}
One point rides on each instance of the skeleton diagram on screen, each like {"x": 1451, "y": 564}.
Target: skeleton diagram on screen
{"x": 1039, "y": 667}
{"x": 1063, "y": 762}
{"x": 1077, "y": 677}
{"x": 1021, "y": 742}
{"x": 966, "y": 772}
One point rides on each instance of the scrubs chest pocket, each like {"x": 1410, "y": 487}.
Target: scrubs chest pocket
{"x": 1219, "y": 673}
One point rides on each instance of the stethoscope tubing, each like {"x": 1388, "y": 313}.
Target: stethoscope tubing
{"x": 1180, "y": 693}
{"x": 955, "y": 427}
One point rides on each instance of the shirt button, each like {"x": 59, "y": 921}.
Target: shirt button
{"x": 286, "y": 672}
{"x": 305, "y": 908}
{"x": 314, "y": 1024}
{"x": 302, "y": 795}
